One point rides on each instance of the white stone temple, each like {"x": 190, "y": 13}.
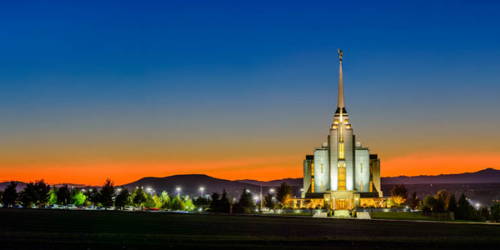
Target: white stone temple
{"x": 341, "y": 172}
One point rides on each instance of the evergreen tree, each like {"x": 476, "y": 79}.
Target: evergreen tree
{"x": 214, "y": 202}
{"x": 63, "y": 195}
{"x": 107, "y": 194}
{"x": 223, "y": 204}
{"x": 122, "y": 199}
{"x": 10, "y": 195}
{"x": 245, "y": 204}
{"x": 465, "y": 211}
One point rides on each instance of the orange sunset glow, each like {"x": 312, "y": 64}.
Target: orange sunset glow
{"x": 256, "y": 168}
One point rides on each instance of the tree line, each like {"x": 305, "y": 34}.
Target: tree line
{"x": 41, "y": 195}
{"x": 445, "y": 202}
{"x": 38, "y": 194}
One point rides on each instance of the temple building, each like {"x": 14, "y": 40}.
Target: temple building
{"x": 341, "y": 174}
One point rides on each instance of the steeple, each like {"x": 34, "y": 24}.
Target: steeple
{"x": 340, "y": 102}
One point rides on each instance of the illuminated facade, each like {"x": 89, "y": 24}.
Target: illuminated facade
{"x": 341, "y": 173}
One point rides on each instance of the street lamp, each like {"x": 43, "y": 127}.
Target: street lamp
{"x": 478, "y": 205}
{"x": 271, "y": 191}
{"x": 178, "y": 190}
{"x": 202, "y": 189}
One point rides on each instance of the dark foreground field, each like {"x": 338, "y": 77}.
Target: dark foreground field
{"x": 58, "y": 229}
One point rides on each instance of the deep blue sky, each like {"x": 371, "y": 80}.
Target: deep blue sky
{"x": 169, "y": 73}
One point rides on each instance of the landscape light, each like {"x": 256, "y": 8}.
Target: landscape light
{"x": 256, "y": 198}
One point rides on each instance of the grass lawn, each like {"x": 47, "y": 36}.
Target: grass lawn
{"x": 62, "y": 229}
{"x": 401, "y": 216}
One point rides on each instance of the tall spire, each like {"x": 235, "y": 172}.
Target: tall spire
{"x": 340, "y": 103}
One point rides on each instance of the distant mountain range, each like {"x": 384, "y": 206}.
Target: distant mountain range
{"x": 191, "y": 183}
{"x": 488, "y": 175}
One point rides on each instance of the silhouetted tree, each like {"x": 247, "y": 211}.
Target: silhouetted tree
{"x": 452, "y": 204}
{"x": 413, "y": 201}
{"x": 399, "y": 194}
{"x": 269, "y": 201}
{"x": 443, "y": 200}
{"x": 220, "y": 204}
{"x": 10, "y": 195}
{"x": 122, "y": 199}
{"x": 283, "y": 193}
{"x": 483, "y": 213}
{"x": 213, "y": 203}
{"x": 107, "y": 193}
{"x": 495, "y": 211}
{"x": 63, "y": 195}
{"x": 139, "y": 197}
{"x": 35, "y": 194}
{"x": 245, "y": 203}
{"x": 465, "y": 211}
{"x": 94, "y": 197}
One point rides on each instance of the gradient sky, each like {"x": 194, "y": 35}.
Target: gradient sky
{"x": 127, "y": 89}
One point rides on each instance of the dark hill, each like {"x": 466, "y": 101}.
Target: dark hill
{"x": 488, "y": 175}
{"x": 190, "y": 184}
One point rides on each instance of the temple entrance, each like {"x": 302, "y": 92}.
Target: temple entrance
{"x": 341, "y": 204}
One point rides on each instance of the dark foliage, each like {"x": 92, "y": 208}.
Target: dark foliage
{"x": 413, "y": 201}
{"x": 35, "y": 194}
{"x": 10, "y": 195}
{"x": 122, "y": 199}
{"x": 220, "y": 205}
{"x": 245, "y": 203}
{"x": 464, "y": 211}
{"x": 400, "y": 191}
{"x": 107, "y": 193}
{"x": 284, "y": 192}
{"x": 495, "y": 212}
{"x": 139, "y": 197}
{"x": 63, "y": 195}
